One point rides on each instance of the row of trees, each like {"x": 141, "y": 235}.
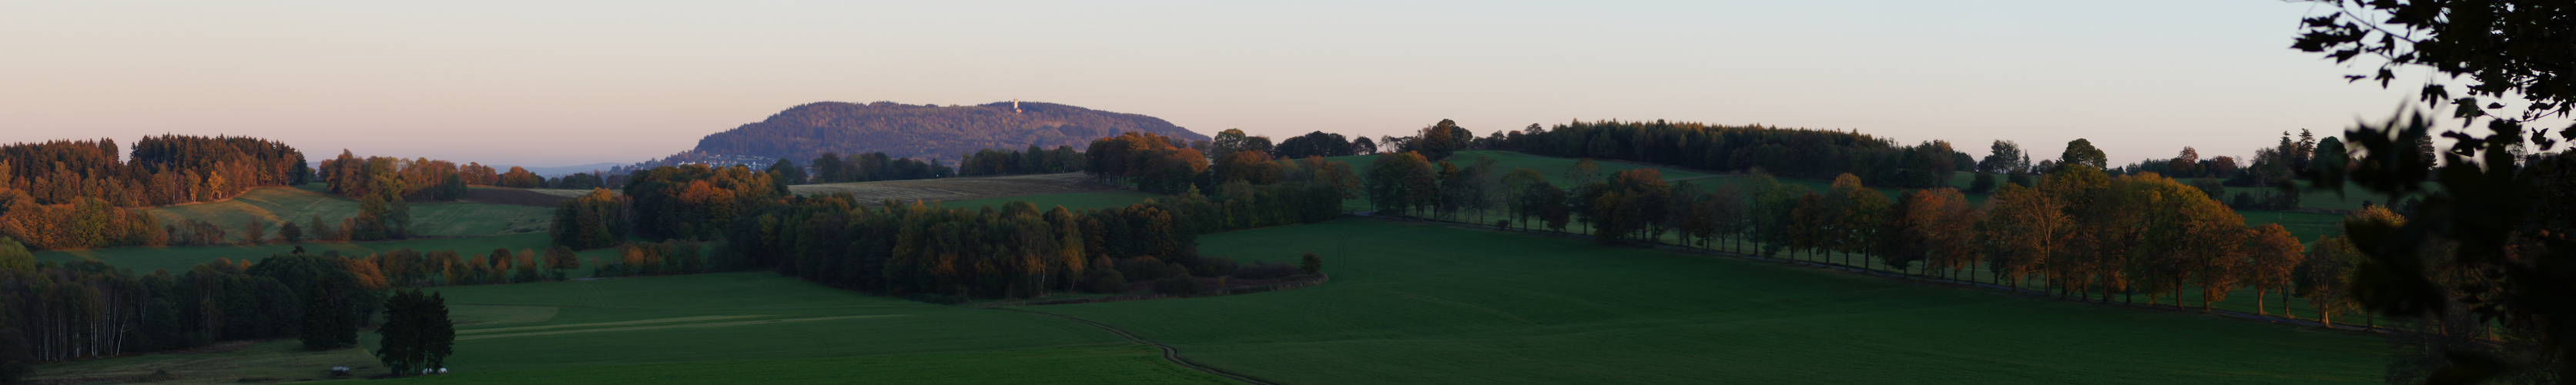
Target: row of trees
{"x": 73, "y": 194}
{"x": 1786, "y": 152}
{"x": 165, "y": 170}
{"x": 2077, "y": 230}
{"x": 869, "y": 167}
{"x": 88, "y": 309}
{"x": 1009, "y": 162}
{"x": 56, "y": 312}
{"x": 1017, "y": 250}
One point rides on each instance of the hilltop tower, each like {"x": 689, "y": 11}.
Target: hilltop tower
{"x": 1015, "y": 105}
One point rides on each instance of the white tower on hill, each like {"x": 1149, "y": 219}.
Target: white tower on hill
{"x": 1015, "y": 105}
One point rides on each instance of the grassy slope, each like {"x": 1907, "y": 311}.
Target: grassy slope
{"x": 429, "y": 219}
{"x": 1128, "y": 364}
{"x": 178, "y": 259}
{"x": 1080, "y": 200}
{"x": 1415, "y": 303}
{"x": 898, "y": 327}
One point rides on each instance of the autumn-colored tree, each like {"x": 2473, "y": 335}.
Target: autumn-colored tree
{"x": 2272, "y": 254}
{"x": 1856, "y": 213}
{"x": 2023, "y": 230}
{"x": 1402, "y": 182}
{"x": 520, "y": 178}
{"x": 1252, "y": 167}
{"x": 2324, "y": 277}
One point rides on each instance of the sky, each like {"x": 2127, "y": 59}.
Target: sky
{"x": 563, "y": 83}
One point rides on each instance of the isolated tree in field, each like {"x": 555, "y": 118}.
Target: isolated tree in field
{"x": 1364, "y": 146}
{"x": 254, "y": 231}
{"x": 1311, "y": 263}
{"x": 560, "y": 258}
{"x": 289, "y": 232}
{"x": 2272, "y": 254}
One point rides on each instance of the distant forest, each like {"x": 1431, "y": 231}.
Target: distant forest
{"x": 927, "y": 131}
{"x": 68, "y": 194}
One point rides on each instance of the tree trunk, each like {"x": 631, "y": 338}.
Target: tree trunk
{"x": 2258, "y": 301}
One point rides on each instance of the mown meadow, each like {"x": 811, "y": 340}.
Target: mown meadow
{"x": 1414, "y": 302}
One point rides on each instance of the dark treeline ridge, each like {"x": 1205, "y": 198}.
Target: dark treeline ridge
{"x": 87, "y": 309}
{"x": 1017, "y": 250}
{"x": 1786, "y": 152}
{"x": 1031, "y": 161}
{"x": 925, "y": 131}
{"x": 1166, "y": 165}
{"x": 945, "y": 254}
{"x": 71, "y": 194}
{"x": 868, "y": 167}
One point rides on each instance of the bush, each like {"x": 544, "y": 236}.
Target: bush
{"x": 1265, "y": 270}
{"x": 1983, "y": 183}
{"x": 1214, "y": 267}
{"x": 1182, "y": 285}
{"x": 1149, "y": 268}
{"x": 1103, "y": 281}
{"x": 1311, "y": 263}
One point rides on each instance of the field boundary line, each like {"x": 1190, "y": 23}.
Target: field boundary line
{"x": 1170, "y": 353}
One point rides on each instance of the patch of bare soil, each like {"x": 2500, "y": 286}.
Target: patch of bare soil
{"x": 957, "y": 188}
{"x": 518, "y": 197}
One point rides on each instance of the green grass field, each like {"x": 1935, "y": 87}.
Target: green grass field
{"x": 429, "y": 219}
{"x": 719, "y": 320}
{"x": 1070, "y": 201}
{"x": 1127, "y": 364}
{"x": 1424, "y": 303}
{"x": 233, "y": 363}
{"x": 178, "y": 259}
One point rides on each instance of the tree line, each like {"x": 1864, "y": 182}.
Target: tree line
{"x": 74, "y": 194}
{"x": 900, "y": 248}
{"x": 1786, "y": 152}
{"x": 2077, "y": 230}
{"x": 53, "y": 312}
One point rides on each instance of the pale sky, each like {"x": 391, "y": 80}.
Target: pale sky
{"x": 563, "y": 83}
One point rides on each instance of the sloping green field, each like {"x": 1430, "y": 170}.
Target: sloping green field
{"x": 1127, "y": 364}
{"x": 1419, "y": 303}
{"x": 429, "y": 219}
{"x": 718, "y": 321}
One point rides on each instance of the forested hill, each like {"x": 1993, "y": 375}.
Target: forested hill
{"x": 922, "y": 131}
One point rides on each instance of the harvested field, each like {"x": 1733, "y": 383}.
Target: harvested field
{"x": 520, "y": 197}
{"x": 950, "y": 189}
